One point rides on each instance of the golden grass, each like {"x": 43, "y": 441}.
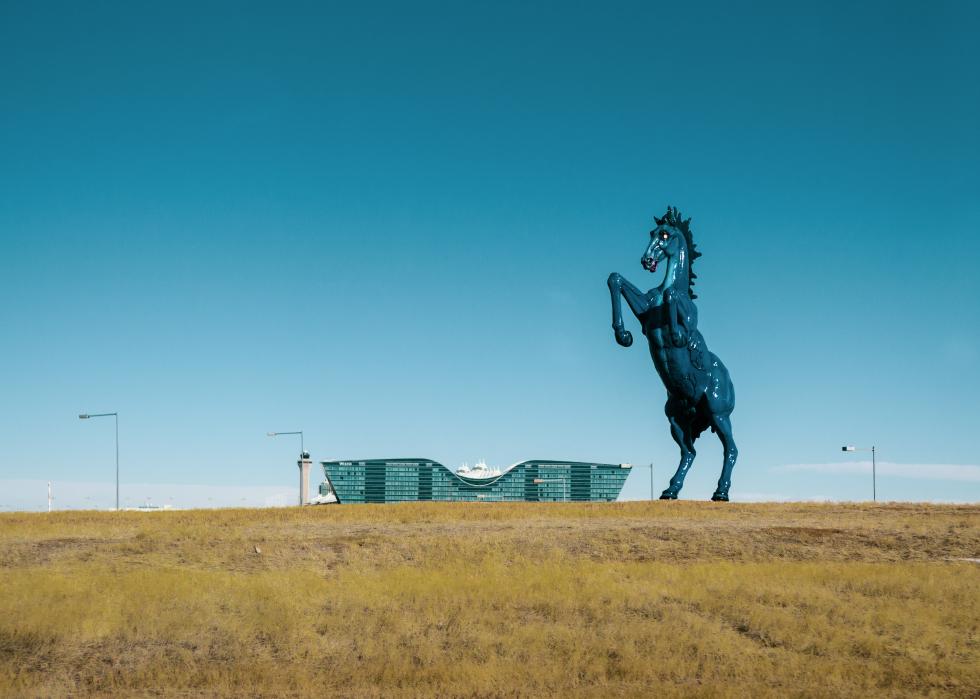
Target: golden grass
{"x": 622, "y": 599}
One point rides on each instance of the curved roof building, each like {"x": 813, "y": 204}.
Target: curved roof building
{"x": 411, "y": 480}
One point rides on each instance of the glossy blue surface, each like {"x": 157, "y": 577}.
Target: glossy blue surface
{"x": 700, "y": 394}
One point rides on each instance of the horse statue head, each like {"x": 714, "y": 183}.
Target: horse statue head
{"x": 672, "y": 239}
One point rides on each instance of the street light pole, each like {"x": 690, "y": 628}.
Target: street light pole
{"x": 86, "y": 416}
{"x": 302, "y": 449}
{"x": 117, "y": 460}
{"x": 874, "y": 468}
{"x": 565, "y": 494}
{"x": 304, "y": 467}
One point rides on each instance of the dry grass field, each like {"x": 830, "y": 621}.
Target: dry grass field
{"x": 622, "y": 599}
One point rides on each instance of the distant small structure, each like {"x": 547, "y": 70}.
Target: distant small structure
{"x": 324, "y": 498}
{"x": 148, "y": 507}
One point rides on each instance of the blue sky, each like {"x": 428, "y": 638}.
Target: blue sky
{"x": 390, "y": 225}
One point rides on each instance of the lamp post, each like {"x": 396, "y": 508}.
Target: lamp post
{"x": 86, "y": 416}
{"x": 560, "y": 479}
{"x": 304, "y": 467}
{"x": 874, "y": 487}
{"x": 302, "y": 450}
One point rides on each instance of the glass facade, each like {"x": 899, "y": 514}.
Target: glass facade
{"x": 411, "y": 480}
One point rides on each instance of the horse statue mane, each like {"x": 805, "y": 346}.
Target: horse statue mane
{"x": 674, "y": 219}
{"x": 699, "y": 389}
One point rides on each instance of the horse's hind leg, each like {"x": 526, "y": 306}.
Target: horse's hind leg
{"x": 723, "y": 426}
{"x": 681, "y": 433}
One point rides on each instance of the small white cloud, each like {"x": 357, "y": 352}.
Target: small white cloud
{"x": 942, "y": 472}
{"x": 777, "y": 497}
{"x": 72, "y": 495}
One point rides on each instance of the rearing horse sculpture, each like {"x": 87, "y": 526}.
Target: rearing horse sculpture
{"x": 699, "y": 391}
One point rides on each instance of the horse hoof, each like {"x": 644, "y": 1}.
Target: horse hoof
{"x": 624, "y": 338}
{"x": 719, "y": 497}
{"x": 667, "y": 495}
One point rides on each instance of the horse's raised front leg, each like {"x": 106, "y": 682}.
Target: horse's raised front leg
{"x": 723, "y": 426}
{"x": 637, "y": 300}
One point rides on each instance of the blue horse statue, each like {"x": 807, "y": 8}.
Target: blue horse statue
{"x": 699, "y": 390}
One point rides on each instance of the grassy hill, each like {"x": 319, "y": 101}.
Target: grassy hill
{"x": 621, "y": 599}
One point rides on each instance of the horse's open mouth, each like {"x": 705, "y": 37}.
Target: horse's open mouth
{"x": 650, "y": 265}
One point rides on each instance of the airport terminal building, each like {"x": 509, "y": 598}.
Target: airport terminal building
{"x": 413, "y": 480}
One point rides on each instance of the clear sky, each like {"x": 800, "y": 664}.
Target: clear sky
{"x": 390, "y": 225}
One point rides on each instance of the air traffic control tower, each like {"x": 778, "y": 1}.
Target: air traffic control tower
{"x": 304, "y": 463}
